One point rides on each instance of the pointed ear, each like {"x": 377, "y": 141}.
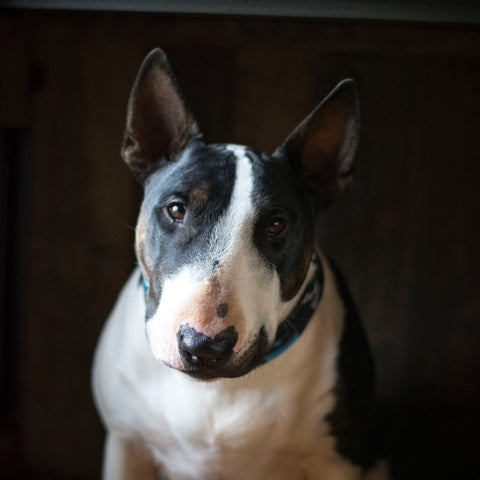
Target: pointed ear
{"x": 159, "y": 124}
{"x": 322, "y": 148}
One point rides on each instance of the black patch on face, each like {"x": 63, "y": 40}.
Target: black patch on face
{"x": 353, "y": 422}
{"x": 277, "y": 193}
{"x": 202, "y": 181}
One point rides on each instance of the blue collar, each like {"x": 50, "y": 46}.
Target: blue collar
{"x": 293, "y": 326}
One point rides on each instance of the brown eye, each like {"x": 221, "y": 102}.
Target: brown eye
{"x": 276, "y": 227}
{"x": 177, "y": 211}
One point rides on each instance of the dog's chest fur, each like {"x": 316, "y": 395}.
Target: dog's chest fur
{"x": 270, "y": 423}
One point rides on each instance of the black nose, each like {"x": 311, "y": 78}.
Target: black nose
{"x": 198, "y": 350}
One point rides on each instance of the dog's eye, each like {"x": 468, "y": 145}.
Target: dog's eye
{"x": 177, "y": 211}
{"x": 276, "y": 226}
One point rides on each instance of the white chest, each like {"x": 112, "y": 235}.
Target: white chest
{"x": 235, "y": 428}
{"x": 269, "y": 423}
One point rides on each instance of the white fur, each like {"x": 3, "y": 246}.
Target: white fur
{"x": 260, "y": 426}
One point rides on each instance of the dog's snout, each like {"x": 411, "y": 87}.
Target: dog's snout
{"x": 198, "y": 350}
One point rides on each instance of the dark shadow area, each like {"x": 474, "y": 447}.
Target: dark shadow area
{"x": 406, "y": 237}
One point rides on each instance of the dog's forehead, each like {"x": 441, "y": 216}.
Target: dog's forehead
{"x": 271, "y": 182}
{"x": 206, "y": 171}
{"x": 197, "y": 164}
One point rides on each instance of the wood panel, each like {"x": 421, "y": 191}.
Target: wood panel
{"x": 406, "y": 236}
{"x": 207, "y": 78}
{"x": 16, "y": 78}
{"x": 84, "y": 208}
{"x": 81, "y": 240}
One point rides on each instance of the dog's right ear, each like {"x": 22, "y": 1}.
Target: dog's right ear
{"x": 159, "y": 124}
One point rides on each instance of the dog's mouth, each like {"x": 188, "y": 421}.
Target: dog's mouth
{"x": 209, "y": 369}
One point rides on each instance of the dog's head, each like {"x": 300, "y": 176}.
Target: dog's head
{"x": 225, "y": 234}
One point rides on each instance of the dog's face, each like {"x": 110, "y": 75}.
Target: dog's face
{"x": 224, "y": 239}
{"x": 225, "y": 234}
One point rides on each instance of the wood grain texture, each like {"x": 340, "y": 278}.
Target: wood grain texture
{"x": 406, "y": 236}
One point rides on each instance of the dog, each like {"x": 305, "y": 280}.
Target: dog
{"x": 234, "y": 350}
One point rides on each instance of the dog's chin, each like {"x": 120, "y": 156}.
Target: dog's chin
{"x": 235, "y": 367}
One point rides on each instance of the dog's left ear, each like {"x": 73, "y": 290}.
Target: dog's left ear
{"x": 159, "y": 124}
{"x": 322, "y": 148}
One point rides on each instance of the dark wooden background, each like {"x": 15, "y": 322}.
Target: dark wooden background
{"x": 407, "y": 236}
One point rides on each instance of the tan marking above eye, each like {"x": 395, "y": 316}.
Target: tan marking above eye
{"x": 199, "y": 195}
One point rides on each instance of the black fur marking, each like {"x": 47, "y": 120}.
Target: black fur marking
{"x": 296, "y": 322}
{"x": 203, "y": 180}
{"x": 278, "y": 193}
{"x": 352, "y": 422}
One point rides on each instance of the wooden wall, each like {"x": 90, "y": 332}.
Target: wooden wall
{"x": 406, "y": 236}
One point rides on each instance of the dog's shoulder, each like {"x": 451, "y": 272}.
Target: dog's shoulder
{"x": 352, "y": 421}
{"x": 122, "y": 363}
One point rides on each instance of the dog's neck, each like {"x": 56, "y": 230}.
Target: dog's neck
{"x": 292, "y": 327}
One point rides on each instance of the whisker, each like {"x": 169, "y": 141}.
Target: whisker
{"x": 129, "y": 227}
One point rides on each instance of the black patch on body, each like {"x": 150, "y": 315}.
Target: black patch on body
{"x": 353, "y": 421}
